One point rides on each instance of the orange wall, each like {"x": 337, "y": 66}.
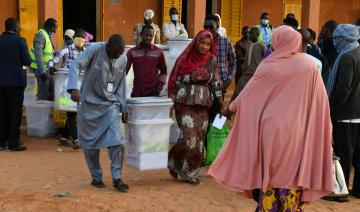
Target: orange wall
{"x": 51, "y": 9}
{"x": 253, "y": 9}
{"x": 121, "y": 17}
{"x": 343, "y": 11}
{"x": 196, "y": 10}
{"x": 310, "y": 14}
{"x": 9, "y": 9}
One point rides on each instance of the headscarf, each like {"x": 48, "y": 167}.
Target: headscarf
{"x": 148, "y": 14}
{"x": 281, "y": 136}
{"x": 284, "y": 44}
{"x": 346, "y": 38}
{"x": 219, "y": 19}
{"x": 190, "y": 58}
{"x": 88, "y": 37}
{"x": 221, "y": 30}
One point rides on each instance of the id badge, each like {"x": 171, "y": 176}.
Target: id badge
{"x": 110, "y": 87}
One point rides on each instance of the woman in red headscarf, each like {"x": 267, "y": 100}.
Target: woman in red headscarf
{"x": 194, "y": 75}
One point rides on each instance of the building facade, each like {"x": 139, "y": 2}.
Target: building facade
{"x": 105, "y": 17}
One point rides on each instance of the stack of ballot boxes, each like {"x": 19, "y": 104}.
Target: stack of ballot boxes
{"x": 148, "y": 132}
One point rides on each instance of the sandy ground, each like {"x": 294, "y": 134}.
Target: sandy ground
{"x": 28, "y": 180}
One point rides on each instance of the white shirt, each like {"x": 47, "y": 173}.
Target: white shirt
{"x": 222, "y": 32}
{"x": 317, "y": 61}
{"x": 173, "y": 32}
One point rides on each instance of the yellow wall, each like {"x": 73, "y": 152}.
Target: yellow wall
{"x": 28, "y": 12}
{"x": 231, "y": 18}
{"x": 293, "y": 6}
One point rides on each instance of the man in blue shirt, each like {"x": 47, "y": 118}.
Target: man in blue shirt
{"x": 13, "y": 56}
{"x": 265, "y": 29}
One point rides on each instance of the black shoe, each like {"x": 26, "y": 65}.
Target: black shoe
{"x": 3, "y": 147}
{"x": 336, "y": 198}
{"x": 119, "y": 184}
{"x": 75, "y": 145}
{"x": 63, "y": 142}
{"x": 352, "y": 193}
{"x": 98, "y": 184}
{"x": 17, "y": 148}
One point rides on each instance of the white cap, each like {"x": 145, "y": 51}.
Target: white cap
{"x": 148, "y": 14}
{"x": 70, "y": 33}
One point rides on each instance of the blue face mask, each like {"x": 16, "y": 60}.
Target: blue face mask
{"x": 174, "y": 17}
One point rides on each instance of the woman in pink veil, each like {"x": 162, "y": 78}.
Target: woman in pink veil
{"x": 279, "y": 148}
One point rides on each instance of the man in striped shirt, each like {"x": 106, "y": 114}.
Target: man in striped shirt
{"x": 65, "y": 57}
{"x": 223, "y": 49}
{"x": 69, "y": 53}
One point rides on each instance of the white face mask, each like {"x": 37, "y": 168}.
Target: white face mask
{"x": 174, "y": 17}
{"x": 264, "y": 21}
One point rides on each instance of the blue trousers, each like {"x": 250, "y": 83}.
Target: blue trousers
{"x": 116, "y": 155}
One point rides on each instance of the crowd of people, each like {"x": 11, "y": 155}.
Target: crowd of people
{"x": 297, "y": 101}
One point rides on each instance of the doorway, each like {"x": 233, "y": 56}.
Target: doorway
{"x": 184, "y": 13}
{"x": 209, "y": 7}
{"x": 80, "y": 14}
{"x": 293, "y": 6}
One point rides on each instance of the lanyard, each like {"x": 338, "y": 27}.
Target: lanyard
{"x": 111, "y": 70}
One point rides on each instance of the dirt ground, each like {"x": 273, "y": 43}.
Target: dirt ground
{"x": 29, "y": 179}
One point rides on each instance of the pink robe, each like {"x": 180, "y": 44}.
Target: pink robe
{"x": 282, "y": 131}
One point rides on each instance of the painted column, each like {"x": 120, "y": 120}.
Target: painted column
{"x": 196, "y": 10}
{"x": 311, "y": 14}
{"x": 52, "y": 9}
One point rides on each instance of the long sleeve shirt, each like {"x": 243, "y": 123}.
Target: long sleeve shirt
{"x": 39, "y": 45}
{"x": 150, "y": 70}
{"x": 14, "y": 55}
{"x": 98, "y": 113}
{"x": 266, "y": 33}
{"x": 241, "y": 47}
{"x": 173, "y": 32}
{"x": 226, "y": 58}
{"x": 345, "y": 101}
{"x": 65, "y": 56}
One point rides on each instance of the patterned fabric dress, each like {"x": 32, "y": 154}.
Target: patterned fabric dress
{"x": 280, "y": 200}
{"x": 193, "y": 99}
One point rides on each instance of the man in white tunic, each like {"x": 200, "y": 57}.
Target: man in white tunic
{"x": 102, "y": 97}
{"x": 174, "y": 30}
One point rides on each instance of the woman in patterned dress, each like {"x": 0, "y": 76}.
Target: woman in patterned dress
{"x": 194, "y": 77}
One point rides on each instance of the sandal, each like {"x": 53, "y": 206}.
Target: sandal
{"x": 193, "y": 181}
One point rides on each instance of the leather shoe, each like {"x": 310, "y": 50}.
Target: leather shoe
{"x": 119, "y": 184}
{"x": 17, "y": 148}
{"x": 98, "y": 184}
{"x": 336, "y": 198}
